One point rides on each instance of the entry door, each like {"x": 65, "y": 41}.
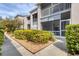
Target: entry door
{"x": 63, "y": 25}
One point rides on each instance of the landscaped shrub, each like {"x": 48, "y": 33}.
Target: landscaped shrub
{"x": 72, "y": 38}
{"x": 1, "y": 39}
{"x": 19, "y": 34}
{"x": 37, "y": 36}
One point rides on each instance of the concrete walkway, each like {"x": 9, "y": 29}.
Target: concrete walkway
{"x": 8, "y": 49}
{"x": 57, "y": 49}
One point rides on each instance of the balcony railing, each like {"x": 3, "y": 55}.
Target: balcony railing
{"x": 28, "y": 21}
{"x": 54, "y": 9}
{"x": 53, "y": 17}
{"x": 45, "y": 12}
{"x": 35, "y": 23}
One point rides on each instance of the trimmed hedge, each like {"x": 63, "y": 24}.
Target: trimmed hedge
{"x": 1, "y": 39}
{"x": 72, "y": 39}
{"x": 37, "y": 36}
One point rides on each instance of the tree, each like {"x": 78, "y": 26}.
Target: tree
{"x": 18, "y": 22}
{"x": 11, "y": 25}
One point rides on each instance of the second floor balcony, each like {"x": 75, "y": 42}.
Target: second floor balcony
{"x": 29, "y": 21}
{"x": 49, "y": 10}
{"x": 61, "y": 16}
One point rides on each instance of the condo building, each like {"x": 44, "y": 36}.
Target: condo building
{"x": 53, "y": 17}
{"x": 23, "y": 20}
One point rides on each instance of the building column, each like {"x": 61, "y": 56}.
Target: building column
{"x": 74, "y": 13}
{"x": 25, "y": 23}
{"x": 39, "y": 18}
{"x": 31, "y": 21}
{"x": 60, "y": 28}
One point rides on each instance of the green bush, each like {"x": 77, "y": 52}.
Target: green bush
{"x": 37, "y": 36}
{"x": 1, "y": 39}
{"x": 72, "y": 38}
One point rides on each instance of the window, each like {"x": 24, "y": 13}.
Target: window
{"x": 47, "y": 25}
{"x": 63, "y": 24}
{"x": 63, "y": 33}
{"x": 45, "y": 5}
{"x": 51, "y": 10}
{"x": 56, "y": 9}
{"x": 56, "y": 25}
{"x": 45, "y": 12}
{"x": 35, "y": 19}
{"x": 28, "y": 17}
{"x": 67, "y": 5}
{"x": 61, "y": 7}
{"x": 28, "y": 26}
{"x": 57, "y": 33}
{"x": 65, "y": 15}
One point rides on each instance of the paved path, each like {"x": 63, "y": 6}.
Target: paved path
{"x": 61, "y": 44}
{"x": 8, "y": 49}
{"x": 58, "y": 49}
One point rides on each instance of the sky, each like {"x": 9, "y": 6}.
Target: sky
{"x": 13, "y": 9}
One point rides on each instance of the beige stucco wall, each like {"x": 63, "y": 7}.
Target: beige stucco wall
{"x": 23, "y": 20}
{"x": 25, "y": 23}
{"x": 75, "y": 13}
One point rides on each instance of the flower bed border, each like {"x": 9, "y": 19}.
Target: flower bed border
{"x": 29, "y": 49}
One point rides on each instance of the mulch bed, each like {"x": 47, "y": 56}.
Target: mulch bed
{"x": 31, "y": 46}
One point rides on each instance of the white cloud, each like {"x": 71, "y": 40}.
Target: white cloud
{"x": 14, "y": 9}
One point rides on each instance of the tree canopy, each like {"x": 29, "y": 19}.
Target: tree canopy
{"x": 11, "y": 25}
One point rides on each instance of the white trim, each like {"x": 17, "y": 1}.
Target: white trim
{"x": 60, "y": 37}
{"x": 54, "y": 31}
{"x": 65, "y": 20}
{"x": 34, "y": 12}
{"x": 60, "y": 27}
{"x": 62, "y": 21}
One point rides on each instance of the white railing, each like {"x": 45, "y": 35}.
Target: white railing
{"x": 45, "y": 12}
{"x": 29, "y": 21}
{"x": 51, "y": 18}
{"x": 35, "y": 23}
{"x": 44, "y": 19}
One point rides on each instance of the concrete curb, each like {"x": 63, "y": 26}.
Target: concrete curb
{"x": 19, "y": 48}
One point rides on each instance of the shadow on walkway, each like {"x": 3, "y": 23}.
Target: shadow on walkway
{"x": 8, "y": 49}
{"x": 61, "y": 45}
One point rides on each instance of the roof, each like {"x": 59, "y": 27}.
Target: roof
{"x": 33, "y": 10}
{"x": 20, "y": 16}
